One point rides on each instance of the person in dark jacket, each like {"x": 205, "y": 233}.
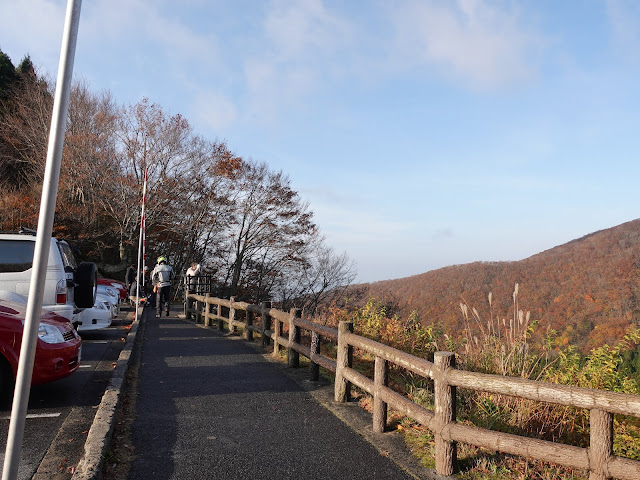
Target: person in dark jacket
{"x": 130, "y": 277}
{"x": 162, "y": 277}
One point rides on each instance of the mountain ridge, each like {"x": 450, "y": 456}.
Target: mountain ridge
{"x": 587, "y": 289}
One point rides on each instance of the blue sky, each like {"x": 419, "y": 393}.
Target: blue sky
{"x": 423, "y": 133}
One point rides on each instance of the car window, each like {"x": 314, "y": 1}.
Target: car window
{"x": 67, "y": 255}
{"x": 16, "y": 255}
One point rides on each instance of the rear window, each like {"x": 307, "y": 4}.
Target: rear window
{"x": 67, "y": 255}
{"x": 16, "y": 255}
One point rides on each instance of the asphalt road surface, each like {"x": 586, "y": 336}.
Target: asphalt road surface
{"x": 60, "y": 413}
{"x": 211, "y": 407}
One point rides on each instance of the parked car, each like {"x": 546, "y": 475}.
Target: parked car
{"x": 69, "y": 287}
{"x": 113, "y": 296}
{"x": 58, "y": 351}
{"x": 96, "y": 317}
{"x": 118, "y": 285}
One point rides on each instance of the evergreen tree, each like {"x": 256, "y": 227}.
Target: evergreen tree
{"x": 8, "y": 75}
{"x": 26, "y": 68}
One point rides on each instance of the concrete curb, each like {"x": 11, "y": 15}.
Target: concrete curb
{"x": 99, "y": 437}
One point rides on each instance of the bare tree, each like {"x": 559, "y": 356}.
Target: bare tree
{"x": 24, "y": 129}
{"x": 238, "y": 218}
{"x": 323, "y": 278}
{"x": 270, "y": 225}
{"x": 89, "y": 169}
{"x": 147, "y": 139}
{"x": 204, "y": 202}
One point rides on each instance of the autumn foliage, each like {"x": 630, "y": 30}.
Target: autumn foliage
{"x": 586, "y": 290}
{"x": 242, "y": 221}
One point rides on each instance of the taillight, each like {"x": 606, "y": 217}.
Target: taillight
{"x": 61, "y": 292}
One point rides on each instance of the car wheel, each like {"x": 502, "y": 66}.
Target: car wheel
{"x": 86, "y": 285}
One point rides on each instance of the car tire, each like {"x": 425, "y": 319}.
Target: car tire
{"x": 6, "y": 379}
{"x": 86, "y": 285}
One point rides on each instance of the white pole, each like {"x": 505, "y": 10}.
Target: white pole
{"x": 144, "y": 225}
{"x": 140, "y": 242}
{"x": 43, "y": 242}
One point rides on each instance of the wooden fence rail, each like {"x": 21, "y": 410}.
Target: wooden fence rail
{"x": 598, "y": 459}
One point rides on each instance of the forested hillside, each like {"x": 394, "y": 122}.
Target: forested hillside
{"x": 587, "y": 289}
{"x": 243, "y": 221}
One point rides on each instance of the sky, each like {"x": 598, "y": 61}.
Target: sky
{"x": 422, "y": 133}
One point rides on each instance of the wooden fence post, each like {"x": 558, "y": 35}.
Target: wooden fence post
{"x": 207, "y": 319}
{"x": 342, "y": 389}
{"x": 219, "y": 314}
{"x": 601, "y": 443}
{"x": 445, "y": 412}
{"x": 277, "y": 332}
{"x": 293, "y": 357}
{"x": 380, "y": 380}
{"x": 248, "y": 319}
{"x": 315, "y": 350}
{"x": 266, "y": 323}
{"x": 198, "y": 311}
{"x": 232, "y": 315}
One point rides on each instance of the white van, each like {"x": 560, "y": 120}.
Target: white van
{"x": 69, "y": 287}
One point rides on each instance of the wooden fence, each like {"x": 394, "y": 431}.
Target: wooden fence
{"x": 598, "y": 459}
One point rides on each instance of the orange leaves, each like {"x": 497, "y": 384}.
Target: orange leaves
{"x": 18, "y": 210}
{"x": 590, "y": 281}
{"x": 229, "y": 166}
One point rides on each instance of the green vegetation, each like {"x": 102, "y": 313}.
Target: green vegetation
{"x": 509, "y": 345}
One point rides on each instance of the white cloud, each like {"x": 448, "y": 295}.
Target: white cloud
{"x": 32, "y": 27}
{"x": 624, "y": 18}
{"x": 354, "y": 227}
{"x": 273, "y": 87}
{"x": 297, "y": 29}
{"x": 443, "y": 234}
{"x": 213, "y": 110}
{"x": 473, "y": 40}
{"x": 300, "y": 49}
{"x": 146, "y": 27}
{"x": 330, "y": 195}
{"x": 147, "y": 49}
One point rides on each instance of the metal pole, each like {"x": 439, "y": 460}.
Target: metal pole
{"x": 140, "y": 244}
{"x": 43, "y": 242}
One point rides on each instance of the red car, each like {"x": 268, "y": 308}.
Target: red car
{"x": 58, "y": 350}
{"x": 117, "y": 284}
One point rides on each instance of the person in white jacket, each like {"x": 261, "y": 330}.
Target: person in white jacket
{"x": 191, "y": 277}
{"x": 161, "y": 277}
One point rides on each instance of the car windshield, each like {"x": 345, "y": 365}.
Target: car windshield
{"x": 67, "y": 255}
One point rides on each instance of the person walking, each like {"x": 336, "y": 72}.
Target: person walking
{"x": 137, "y": 289}
{"x": 191, "y": 277}
{"x": 130, "y": 277}
{"x": 162, "y": 276}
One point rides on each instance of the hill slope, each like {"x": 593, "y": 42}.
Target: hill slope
{"x": 587, "y": 289}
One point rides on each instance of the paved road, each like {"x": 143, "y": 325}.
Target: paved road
{"x": 212, "y": 407}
